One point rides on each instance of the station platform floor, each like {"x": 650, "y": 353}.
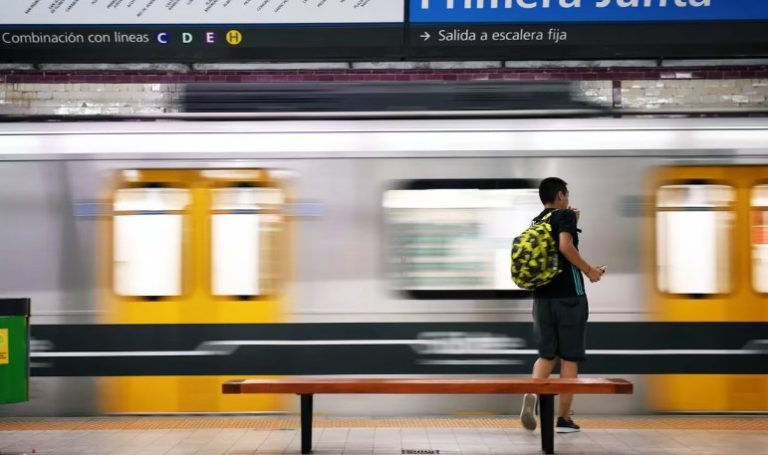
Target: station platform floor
{"x": 471, "y": 435}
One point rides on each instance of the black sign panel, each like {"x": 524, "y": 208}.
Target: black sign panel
{"x": 193, "y": 44}
{"x": 588, "y": 41}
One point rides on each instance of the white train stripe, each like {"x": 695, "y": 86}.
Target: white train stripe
{"x": 228, "y": 347}
{"x": 126, "y": 354}
{"x": 470, "y": 362}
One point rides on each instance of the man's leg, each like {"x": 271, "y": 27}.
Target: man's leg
{"x": 545, "y": 332}
{"x": 572, "y": 329}
{"x": 543, "y": 368}
{"x": 546, "y": 337}
{"x": 568, "y": 369}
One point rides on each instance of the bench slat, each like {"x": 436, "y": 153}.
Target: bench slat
{"x": 430, "y": 386}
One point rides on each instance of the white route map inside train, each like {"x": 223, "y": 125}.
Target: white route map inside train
{"x": 139, "y": 12}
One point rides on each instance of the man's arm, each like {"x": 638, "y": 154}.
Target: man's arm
{"x": 574, "y": 257}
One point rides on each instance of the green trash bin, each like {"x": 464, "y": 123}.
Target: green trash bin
{"x": 14, "y": 350}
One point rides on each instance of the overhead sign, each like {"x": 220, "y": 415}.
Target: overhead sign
{"x": 200, "y": 30}
{"x": 560, "y": 11}
{"x": 567, "y": 29}
{"x": 257, "y": 30}
{"x": 143, "y": 12}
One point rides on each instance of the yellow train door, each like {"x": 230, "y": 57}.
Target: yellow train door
{"x": 708, "y": 262}
{"x": 189, "y": 246}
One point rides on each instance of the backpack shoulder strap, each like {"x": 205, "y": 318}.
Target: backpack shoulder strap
{"x": 543, "y": 218}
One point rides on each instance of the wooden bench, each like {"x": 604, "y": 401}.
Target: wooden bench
{"x": 546, "y": 388}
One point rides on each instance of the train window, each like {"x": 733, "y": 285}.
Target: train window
{"x": 241, "y": 220}
{"x": 451, "y": 238}
{"x": 760, "y": 238}
{"x": 148, "y": 226}
{"x": 692, "y": 238}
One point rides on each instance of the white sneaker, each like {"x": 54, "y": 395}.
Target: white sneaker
{"x": 528, "y": 413}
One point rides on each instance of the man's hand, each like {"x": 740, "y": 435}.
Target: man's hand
{"x": 594, "y": 274}
{"x": 576, "y": 211}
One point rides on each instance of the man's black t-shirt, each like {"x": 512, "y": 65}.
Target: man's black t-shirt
{"x": 569, "y": 282}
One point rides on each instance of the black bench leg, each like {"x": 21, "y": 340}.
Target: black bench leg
{"x": 306, "y": 423}
{"x": 547, "y": 418}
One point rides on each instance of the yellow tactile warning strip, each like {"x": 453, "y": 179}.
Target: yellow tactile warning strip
{"x": 757, "y": 423}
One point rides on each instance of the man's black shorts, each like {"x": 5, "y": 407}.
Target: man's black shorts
{"x": 560, "y": 327}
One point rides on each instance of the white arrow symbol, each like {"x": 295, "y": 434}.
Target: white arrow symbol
{"x": 425, "y": 35}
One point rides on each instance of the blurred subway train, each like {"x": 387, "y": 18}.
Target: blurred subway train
{"x": 165, "y": 257}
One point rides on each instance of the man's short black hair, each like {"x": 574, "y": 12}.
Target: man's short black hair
{"x": 549, "y": 187}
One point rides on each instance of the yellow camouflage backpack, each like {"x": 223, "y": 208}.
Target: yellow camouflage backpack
{"x": 535, "y": 261}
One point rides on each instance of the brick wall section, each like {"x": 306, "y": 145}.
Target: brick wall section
{"x": 731, "y": 93}
{"x": 88, "y": 98}
{"x": 155, "y": 90}
{"x": 361, "y": 74}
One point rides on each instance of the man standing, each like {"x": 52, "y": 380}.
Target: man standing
{"x": 560, "y": 307}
